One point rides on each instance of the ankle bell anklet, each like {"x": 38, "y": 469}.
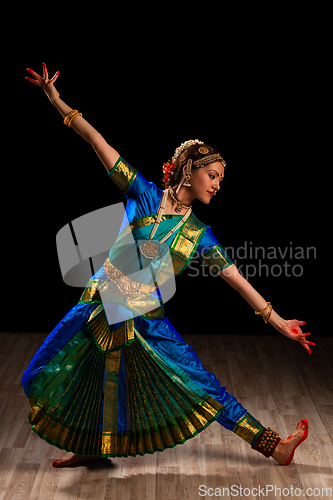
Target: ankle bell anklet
{"x": 267, "y": 442}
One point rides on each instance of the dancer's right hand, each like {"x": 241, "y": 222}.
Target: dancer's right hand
{"x": 44, "y": 82}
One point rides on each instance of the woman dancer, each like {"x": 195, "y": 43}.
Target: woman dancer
{"x": 102, "y": 388}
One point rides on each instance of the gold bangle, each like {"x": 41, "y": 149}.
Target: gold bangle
{"x": 266, "y": 318}
{"x": 67, "y": 117}
{"x": 72, "y": 118}
{"x": 263, "y": 310}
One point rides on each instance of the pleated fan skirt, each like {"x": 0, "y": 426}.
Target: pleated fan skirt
{"x": 148, "y": 395}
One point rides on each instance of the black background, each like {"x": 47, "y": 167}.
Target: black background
{"x": 252, "y": 91}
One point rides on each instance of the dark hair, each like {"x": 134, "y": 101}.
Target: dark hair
{"x": 190, "y": 152}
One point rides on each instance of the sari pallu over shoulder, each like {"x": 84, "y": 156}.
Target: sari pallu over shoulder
{"x": 183, "y": 246}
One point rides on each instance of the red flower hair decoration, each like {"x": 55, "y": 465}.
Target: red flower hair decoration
{"x": 168, "y": 170}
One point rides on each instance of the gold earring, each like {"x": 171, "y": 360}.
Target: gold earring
{"x": 187, "y": 182}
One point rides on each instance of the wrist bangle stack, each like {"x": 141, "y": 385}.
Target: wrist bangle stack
{"x": 268, "y": 315}
{"x": 70, "y": 117}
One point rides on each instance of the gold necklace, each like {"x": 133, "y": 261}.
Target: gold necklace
{"x": 177, "y": 200}
{"x": 150, "y": 248}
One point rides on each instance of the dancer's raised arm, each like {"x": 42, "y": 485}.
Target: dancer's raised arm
{"x": 106, "y": 153}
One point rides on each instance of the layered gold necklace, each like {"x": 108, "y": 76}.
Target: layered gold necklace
{"x": 177, "y": 200}
{"x": 150, "y": 248}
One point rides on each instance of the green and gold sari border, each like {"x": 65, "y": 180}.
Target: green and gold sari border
{"x": 191, "y": 232}
{"x": 126, "y": 343}
{"x": 105, "y": 436}
{"x": 208, "y": 253}
{"x": 216, "y": 263}
{"x": 128, "y": 176}
{"x": 248, "y": 428}
{"x": 166, "y": 446}
{"x": 146, "y": 220}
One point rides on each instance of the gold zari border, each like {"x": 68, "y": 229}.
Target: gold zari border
{"x": 122, "y": 174}
{"x": 108, "y": 337}
{"x": 216, "y": 259}
{"x": 248, "y": 428}
{"x": 186, "y": 242}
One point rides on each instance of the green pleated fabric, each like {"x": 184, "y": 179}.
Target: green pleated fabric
{"x": 124, "y": 403}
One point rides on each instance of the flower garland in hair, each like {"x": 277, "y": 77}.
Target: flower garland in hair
{"x": 169, "y": 166}
{"x": 168, "y": 170}
{"x": 184, "y": 146}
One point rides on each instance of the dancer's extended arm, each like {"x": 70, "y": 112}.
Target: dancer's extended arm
{"x": 289, "y": 328}
{"x": 106, "y": 153}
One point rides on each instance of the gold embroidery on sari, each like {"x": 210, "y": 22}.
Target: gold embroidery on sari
{"x": 216, "y": 259}
{"x": 186, "y": 243}
{"x": 123, "y": 175}
{"x": 109, "y": 337}
{"x": 111, "y": 387}
{"x": 91, "y": 291}
{"x": 126, "y": 285}
{"x": 247, "y": 428}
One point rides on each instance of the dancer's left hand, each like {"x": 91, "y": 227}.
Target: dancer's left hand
{"x": 292, "y": 330}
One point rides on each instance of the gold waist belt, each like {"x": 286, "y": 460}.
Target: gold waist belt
{"x": 118, "y": 289}
{"x": 126, "y": 285}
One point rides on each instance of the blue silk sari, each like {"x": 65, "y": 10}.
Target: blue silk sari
{"x": 134, "y": 386}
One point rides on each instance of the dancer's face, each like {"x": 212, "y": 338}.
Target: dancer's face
{"x": 205, "y": 180}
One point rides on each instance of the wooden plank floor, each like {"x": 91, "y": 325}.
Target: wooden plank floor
{"x": 273, "y": 377}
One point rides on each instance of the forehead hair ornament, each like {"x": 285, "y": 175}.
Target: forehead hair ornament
{"x": 203, "y": 150}
{"x": 209, "y": 159}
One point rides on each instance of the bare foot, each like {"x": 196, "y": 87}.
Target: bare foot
{"x": 285, "y": 447}
{"x": 72, "y": 459}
